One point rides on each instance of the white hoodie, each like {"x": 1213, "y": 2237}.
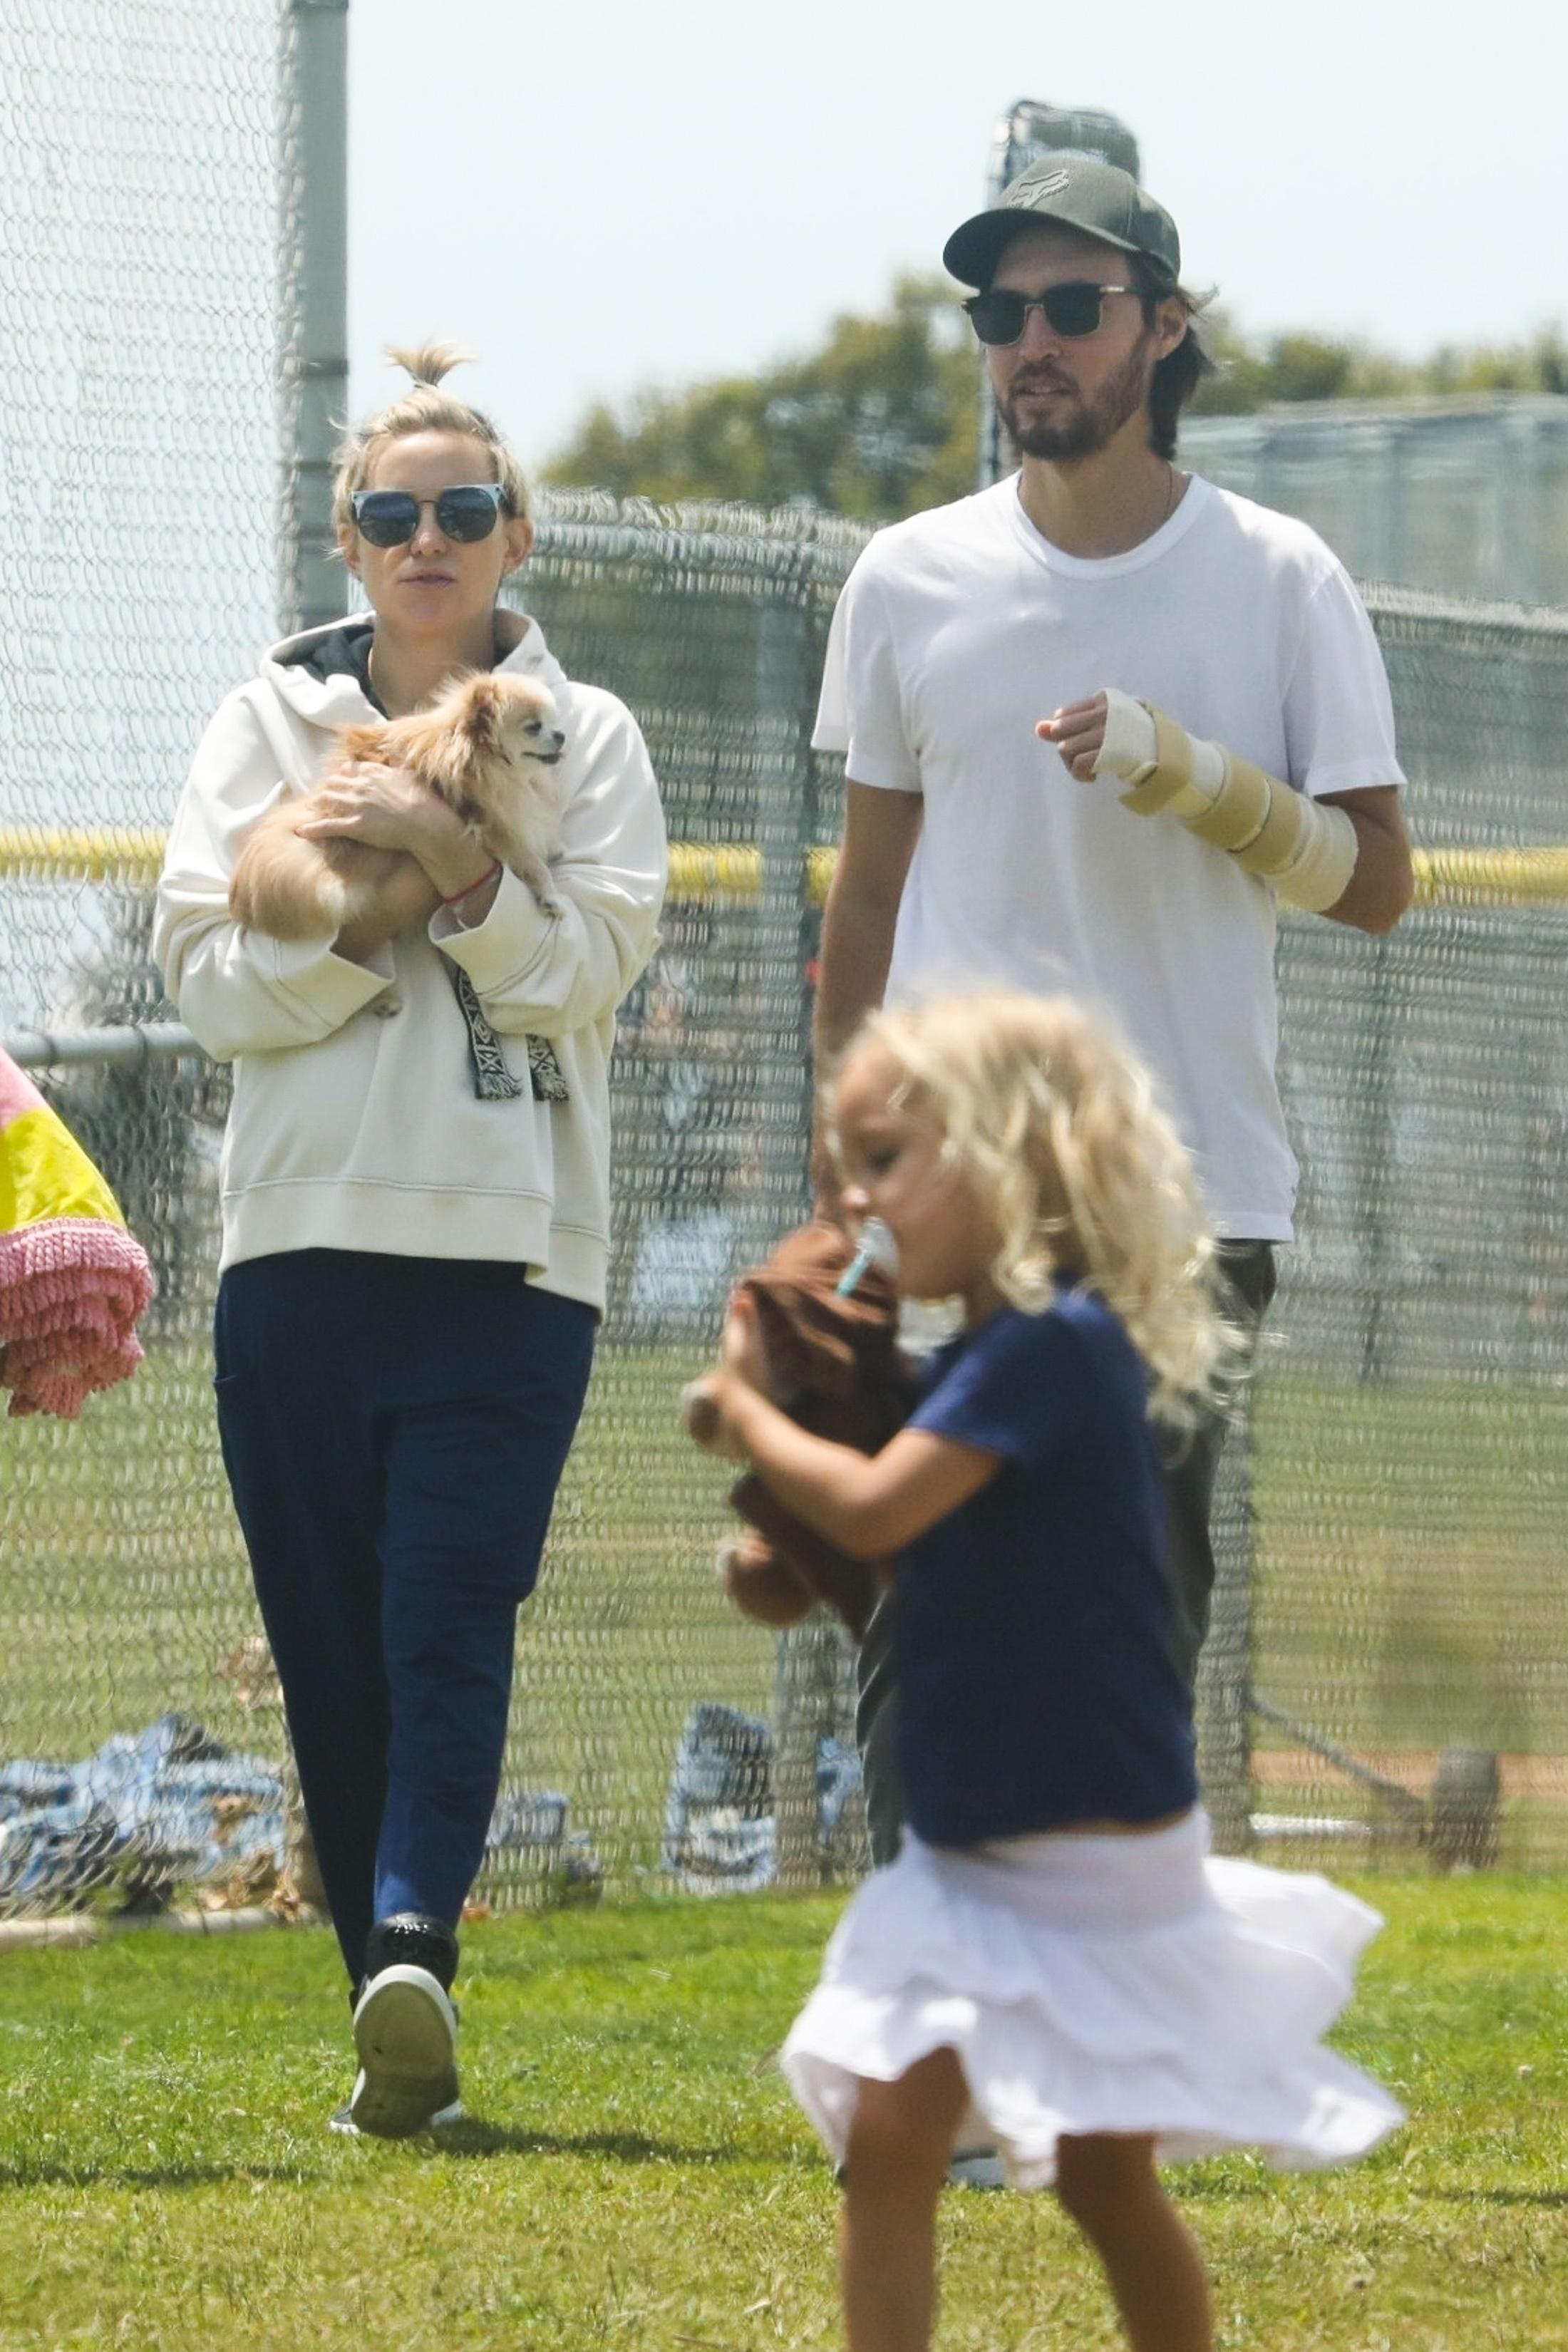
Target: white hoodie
{"x": 355, "y": 1124}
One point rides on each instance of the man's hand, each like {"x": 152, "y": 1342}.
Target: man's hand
{"x": 1384, "y": 882}
{"x": 1078, "y": 730}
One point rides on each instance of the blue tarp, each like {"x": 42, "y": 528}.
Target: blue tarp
{"x": 144, "y": 1810}
{"x": 171, "y": 1806}
{"x": 721, "y": 1834}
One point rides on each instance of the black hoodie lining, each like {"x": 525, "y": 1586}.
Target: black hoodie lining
{"x": 343, "y": 651}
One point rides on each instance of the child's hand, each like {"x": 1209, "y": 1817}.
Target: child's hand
{"x": 707, "y": 1421}
{"x": 708, "y": 1405}
{"x": 1078, "y": 730}
{"x": 741, "y": 1352}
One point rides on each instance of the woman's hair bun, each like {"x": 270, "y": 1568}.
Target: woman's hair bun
{"x": 427, "y": 363}
{"x": 422, "y": 407}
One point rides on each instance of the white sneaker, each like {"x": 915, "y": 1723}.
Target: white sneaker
{"x": 341, "y": 2119}
{"x": 405, "y": 2032}
{"x": 976, "y": 2167}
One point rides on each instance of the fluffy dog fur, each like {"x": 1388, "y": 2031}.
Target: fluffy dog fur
{"x": 485, "y": 746}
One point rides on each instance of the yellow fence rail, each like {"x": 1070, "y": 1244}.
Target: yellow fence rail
{"x": 702, "y": 872}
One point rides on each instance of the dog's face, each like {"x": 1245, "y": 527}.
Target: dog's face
{"x": 503, "y": 718}
{"x": 520, "y": 716}
{"x": 477, "y": 738}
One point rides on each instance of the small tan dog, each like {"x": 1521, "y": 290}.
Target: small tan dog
{"x": 485, "y": 746}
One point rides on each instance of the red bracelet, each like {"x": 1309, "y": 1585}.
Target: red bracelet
{"x": 489, "y": 876}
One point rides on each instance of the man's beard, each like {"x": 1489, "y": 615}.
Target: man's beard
{"x": 1092, "y": 423}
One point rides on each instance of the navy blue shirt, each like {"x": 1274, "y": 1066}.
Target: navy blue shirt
{"x": 1037, "y": 1681}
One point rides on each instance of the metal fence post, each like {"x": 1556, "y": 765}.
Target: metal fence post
{"x": 1224, "y": 1668}
{"x": 313, "y": 368}
{"x": 1379, "y": 1172}
{"x": 809, "y": 1660}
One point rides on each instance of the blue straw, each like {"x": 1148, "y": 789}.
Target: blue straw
{"x": 876, "y": 1248}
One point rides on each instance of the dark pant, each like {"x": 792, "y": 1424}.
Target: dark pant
{"x": 394, "y": 1431}
{"x": 1191, "y": 1460}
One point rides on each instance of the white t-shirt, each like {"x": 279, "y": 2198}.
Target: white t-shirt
{"x": 958, "y": 629}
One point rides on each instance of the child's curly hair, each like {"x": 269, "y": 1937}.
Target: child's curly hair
{"x": 1055, "y": 1123}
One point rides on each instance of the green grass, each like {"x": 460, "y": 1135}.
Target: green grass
{"x": 1410, "y": 1591}
{"x": 1410, "y": 1557}
{"x": 636, "y": 2177}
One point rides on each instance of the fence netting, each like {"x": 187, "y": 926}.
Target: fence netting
{"x": 1389, "y": 1662}
{"x": 1461, "y": 497}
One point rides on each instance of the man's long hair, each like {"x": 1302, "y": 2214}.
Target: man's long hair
{"x": 1178, "y": 376}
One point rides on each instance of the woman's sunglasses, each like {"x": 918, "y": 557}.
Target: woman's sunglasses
{"x": 391, "y": 518}
{"x": 1071, "y": 310}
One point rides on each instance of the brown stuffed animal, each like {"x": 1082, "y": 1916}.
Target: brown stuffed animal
{"x": 836, "y": 1369}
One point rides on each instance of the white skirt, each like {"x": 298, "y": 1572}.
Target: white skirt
{"x": 1098, "y": 1984}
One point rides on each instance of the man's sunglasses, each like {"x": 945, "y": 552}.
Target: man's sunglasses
{"x": 1071, "y": 310}
{"x": 391, "y": 518}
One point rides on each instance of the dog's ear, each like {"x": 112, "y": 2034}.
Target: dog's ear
{"x": 477, "y": 715}
{"x": 455, "y": 736}
{"x": 824, "y": 1344}
{"x": 787, "y": 1364}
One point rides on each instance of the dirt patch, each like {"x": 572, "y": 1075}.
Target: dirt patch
{"x": 1543, "y": 1778}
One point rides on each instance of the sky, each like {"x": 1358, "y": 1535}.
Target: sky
{"x": 602, "y": 195}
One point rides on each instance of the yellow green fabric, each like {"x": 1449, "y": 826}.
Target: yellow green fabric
{"x": 45, "y": 1172}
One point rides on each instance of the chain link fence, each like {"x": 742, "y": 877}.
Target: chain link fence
{"x": 1392, "y": 1608}
{"x": 1466, "y": 498}
{"x": 1411, "y": 1432}
{"x": 1393, "y": 1604}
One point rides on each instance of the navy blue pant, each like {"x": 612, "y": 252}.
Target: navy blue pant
{"x": 394, "y": 1430}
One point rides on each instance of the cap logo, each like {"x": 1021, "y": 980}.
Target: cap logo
{"x": 1028, "y": 191}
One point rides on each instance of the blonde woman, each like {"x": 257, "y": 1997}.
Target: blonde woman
{"x": 415, "y": 1201}
{"x": 1052, "y": 1961}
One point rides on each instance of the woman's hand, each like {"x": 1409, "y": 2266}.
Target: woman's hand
{"x": 386, "y": 807}
{"x": 1078, "y": 730}
{"x": 389, "y": 808}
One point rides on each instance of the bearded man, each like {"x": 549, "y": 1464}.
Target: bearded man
{"x": 1097, "y": 719}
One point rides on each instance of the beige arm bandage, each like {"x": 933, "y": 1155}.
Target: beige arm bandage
{"x": 1307, "y": 851}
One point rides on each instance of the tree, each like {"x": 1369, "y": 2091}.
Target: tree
{"x": 880, "y": 421}
{"x": 1293, "y": 367}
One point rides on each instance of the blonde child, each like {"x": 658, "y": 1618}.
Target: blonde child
{"x": 1053, "y": 1962}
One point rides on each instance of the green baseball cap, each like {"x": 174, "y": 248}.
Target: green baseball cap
{"x": 1077, "y": 192}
